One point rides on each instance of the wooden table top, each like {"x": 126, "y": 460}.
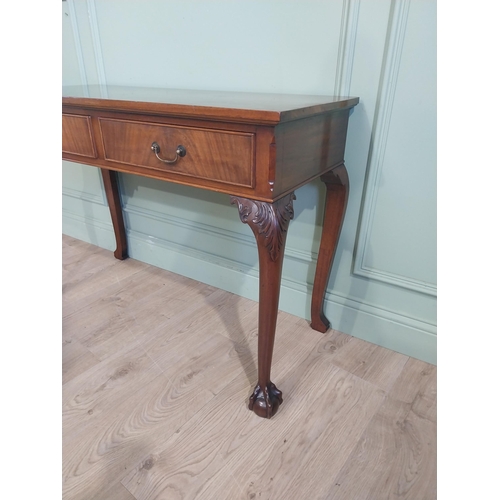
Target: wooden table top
{"x": 243, "y": 107}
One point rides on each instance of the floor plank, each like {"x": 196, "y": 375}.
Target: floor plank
{"x": 370, "y": 362}
{"x": 395, "y": 458}
{"x": 157, "y": 371}
{"x": 417, "y": 385}
{"x": 76, "y": 359}
{"x": 192, "y": 457}
{"x": 300, "y": 456}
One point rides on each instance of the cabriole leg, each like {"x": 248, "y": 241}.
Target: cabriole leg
{"x": 113, "y": 197}
{"x": 269, "y": 223}
{"x": 337, "y": 192}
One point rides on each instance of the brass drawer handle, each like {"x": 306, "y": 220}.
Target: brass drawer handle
{"x": 179, "y": 152}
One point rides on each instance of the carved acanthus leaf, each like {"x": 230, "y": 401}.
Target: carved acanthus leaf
{"x": 244, "y": 207}
{"x": 270, "y": 220}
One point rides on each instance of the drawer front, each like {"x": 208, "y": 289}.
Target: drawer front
{"x": 77, "y": 137}
{"x": 222, "y": 156}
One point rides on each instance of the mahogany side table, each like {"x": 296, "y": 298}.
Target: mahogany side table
{"x": 258, "y": 148}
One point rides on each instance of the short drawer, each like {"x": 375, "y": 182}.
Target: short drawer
{"x": 77, "y": 136}
{"x": 223, "y": 156}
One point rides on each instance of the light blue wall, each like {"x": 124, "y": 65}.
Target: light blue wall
{"x": 383, "y": 286}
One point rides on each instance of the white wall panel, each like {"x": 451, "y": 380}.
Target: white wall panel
{"x": 262, "y": 46}
{"x": 383, "y": 52}
{"x": 397, "y": 241}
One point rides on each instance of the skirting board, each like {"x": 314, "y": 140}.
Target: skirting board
{"x": 369, "y": 323}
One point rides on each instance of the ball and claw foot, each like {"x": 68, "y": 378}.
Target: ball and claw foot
{"x": 265, "y": 402}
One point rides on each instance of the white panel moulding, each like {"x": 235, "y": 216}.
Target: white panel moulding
{"x": 347, "y": 42}
{"x": 96, "y": 42}
{"x": 385, "y": 103}
{"x": 85, "y": 196}
{"x": 237, "y": 238}
{"x": 78, "y": 45}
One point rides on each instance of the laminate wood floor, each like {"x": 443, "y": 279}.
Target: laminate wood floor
{"x": 156, "y": 372}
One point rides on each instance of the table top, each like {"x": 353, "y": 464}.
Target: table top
{"x": 243, "y": 107}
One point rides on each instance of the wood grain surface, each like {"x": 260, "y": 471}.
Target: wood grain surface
{"x": 257, "y": 146}
{"x": 242, "y": 107}
{"x": 157, "y": 370}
